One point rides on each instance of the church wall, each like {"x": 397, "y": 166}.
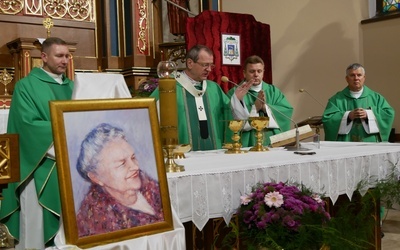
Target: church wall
{"x": 382, "y": 59}
{"x": 312, "y": 43}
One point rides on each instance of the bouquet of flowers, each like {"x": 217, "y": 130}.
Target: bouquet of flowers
{"x": 281, "y": 216}
{"x": 147, "y": 87}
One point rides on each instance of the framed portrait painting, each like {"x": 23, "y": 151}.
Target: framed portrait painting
{"x": 230, "y": 49}
{"x": 111, "y": 172}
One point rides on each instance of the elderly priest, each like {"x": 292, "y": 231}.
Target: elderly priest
{"x": 357, "y": 113}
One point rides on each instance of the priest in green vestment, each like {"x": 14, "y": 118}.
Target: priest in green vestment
{"x": 31, "y": 208}
{"x": 256, "y": 98}
{"x": 357, "y": 113}
{"x": 202, "y": 105}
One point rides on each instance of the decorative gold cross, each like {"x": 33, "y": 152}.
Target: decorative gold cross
{"x": 5, "y": 79}
{"x": 48, "y": 23}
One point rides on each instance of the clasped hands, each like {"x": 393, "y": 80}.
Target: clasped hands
{"x": 358, "y": 113}
{"x": 243, "y": 89}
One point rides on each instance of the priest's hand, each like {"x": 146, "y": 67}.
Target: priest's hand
{"x": 358, "y": 113}
{"x": 260, "y": 102}
{"x": 242, "y": 90}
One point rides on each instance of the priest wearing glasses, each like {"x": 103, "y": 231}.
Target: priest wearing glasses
{"x": 201, "y": 104}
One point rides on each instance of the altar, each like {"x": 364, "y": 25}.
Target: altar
{"x": 213, "y": 181}
{"x": 3, "y": 120}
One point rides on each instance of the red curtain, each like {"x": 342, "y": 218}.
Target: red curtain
{"x": 207, "y": 28}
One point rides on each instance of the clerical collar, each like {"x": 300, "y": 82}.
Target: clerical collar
{"x": 256, "y": 88}
{"x": 57, "y": 78}
{"x": 194, "y": 82}
{"x": 356, "y": 94}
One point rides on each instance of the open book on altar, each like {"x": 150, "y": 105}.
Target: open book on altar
{"x": 289, "y": 137}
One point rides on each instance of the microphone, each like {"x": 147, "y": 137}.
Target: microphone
{"x": 296, "y": 147}
{"x": 315, "y": 99}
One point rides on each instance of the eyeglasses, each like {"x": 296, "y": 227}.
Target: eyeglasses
{"x": 206, "y": 65}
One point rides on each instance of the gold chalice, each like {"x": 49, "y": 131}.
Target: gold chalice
{"x": 180, "y": 150}
{"x": 259, "y": 124}
{"x": 236, "y": 126}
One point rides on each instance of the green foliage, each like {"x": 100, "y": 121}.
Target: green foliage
{"x": 352, "y": 227}
{"x": 388, "y": 189}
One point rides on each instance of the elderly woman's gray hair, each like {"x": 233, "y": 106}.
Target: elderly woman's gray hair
{"x": 93, "y": 144}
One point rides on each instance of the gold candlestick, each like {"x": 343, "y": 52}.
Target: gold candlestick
{"x": 168, "y": 113}
{"x": 259, "y": 124}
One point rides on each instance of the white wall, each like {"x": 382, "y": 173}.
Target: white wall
{"x": 382, "y": 59}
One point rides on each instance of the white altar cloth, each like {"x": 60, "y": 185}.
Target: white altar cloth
{"x": 3, "y": 120}
{"x": 100, "y": 86}
{"x": 170, "y": 240}
{"x": 211, "y": 185}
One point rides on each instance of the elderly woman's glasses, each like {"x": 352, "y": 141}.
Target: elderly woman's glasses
{"x": 206, "y": 65}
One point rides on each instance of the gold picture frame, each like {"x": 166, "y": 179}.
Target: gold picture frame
{"x": 72, "y": 121}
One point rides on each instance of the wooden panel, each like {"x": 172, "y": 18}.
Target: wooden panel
{"x": 81, "y": 33}
{"x": 9, "y": 158}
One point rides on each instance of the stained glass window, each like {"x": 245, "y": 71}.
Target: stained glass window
{"x": 390, "y": 6}
{"x": 384, "y": 10}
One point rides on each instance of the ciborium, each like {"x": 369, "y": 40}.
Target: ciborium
{"x": 259, "y": 124}
{"x": 236, "y": 126}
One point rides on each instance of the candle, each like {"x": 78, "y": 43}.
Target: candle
{"x": 168, "y": 111}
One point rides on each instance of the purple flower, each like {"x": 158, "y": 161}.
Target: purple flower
{"x": 281, "y": 205}
{"x": 275, "y": 217}
{"x": 147, "y": 87}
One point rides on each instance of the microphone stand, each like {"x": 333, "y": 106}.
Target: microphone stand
{"x": 297, "y": 146}
{"x": 318, "y": 123}
{"x": 315, "y": 99}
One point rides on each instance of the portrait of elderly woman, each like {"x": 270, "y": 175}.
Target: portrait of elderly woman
{"x": 121, "y": 195}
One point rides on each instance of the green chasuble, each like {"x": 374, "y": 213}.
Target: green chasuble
{"x": 30, "y": 118}
{"x": 277, "y": 101}
{"x": 216, "y": 105}
{"x": 343, "y": 101}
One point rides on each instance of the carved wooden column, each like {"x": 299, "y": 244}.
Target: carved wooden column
{"x": 6, "y": 78}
